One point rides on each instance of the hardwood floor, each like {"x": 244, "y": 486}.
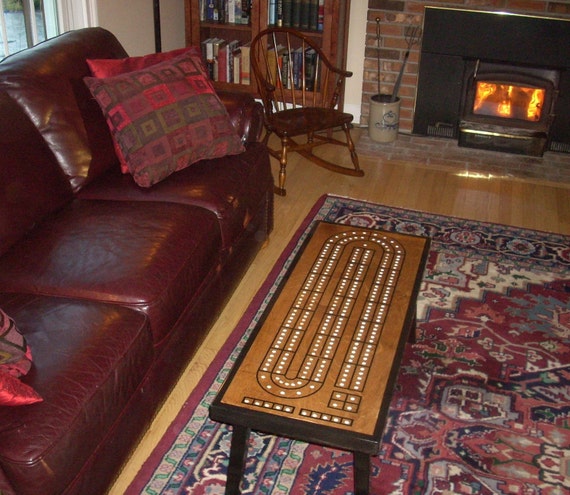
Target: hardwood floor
{"x": 519, "y": 202}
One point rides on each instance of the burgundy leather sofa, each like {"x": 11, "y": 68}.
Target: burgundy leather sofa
{"x": 113, "y": 286}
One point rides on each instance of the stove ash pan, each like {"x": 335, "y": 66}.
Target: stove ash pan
{"x": 507, "y": 108}
{"x": 461, "y": 48}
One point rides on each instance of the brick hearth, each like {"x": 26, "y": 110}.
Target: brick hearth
{"x": 394, "y": 16}
{"x": 435, "y": 152}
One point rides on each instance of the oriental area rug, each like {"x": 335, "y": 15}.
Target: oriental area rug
{"x": 482, "y": 401}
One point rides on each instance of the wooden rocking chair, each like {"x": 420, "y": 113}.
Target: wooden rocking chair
{"x": 300, "y": 89}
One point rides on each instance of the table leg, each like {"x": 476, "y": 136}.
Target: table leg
{"x": 361, "y": 473}
{"x": 412, "y": 334}
{"x": 238, "y": 453}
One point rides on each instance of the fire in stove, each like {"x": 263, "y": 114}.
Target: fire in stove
{"x": 508, "y": 101}
{"x": 507, "y": 107}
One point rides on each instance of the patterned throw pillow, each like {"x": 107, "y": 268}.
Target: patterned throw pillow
{"x": 165, "y": 117}
{"x": 102, "y": 67}
{"x": 15, "y": 361}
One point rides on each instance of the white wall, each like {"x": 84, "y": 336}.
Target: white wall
{"x": 355, "y": 56}
{"x": 131, "y": 21}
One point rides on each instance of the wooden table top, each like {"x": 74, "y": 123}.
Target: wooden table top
{"x": 327, "y": 352}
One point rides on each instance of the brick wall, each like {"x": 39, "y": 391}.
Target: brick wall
{"x": 395, "y": 16}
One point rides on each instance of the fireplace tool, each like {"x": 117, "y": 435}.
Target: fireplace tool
{"x": 384, "y": 115}
{"x": 378, "y": 43}
{"x": 412, "y": 34}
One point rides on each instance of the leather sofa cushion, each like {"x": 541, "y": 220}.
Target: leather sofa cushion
{"x": 230, "y": 187}
{"x": 89, "y": 358}
{"x": 26, "y": 194}
{"x": 151, "y": 256}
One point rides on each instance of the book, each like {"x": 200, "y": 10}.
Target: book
{"x": 273, "y": 56}
{"x": 211, "y": 11}
{"x": 304, "y": 15}
{"x": 285, "y": 70}
{"x": 245, "y": 11}
{"x": 310, "y": 69}
{"x": 313, "y": 14}
{"x": 245, "y": 63}
{"x": 321, "y": 16}
{"x": 221, "y": 72}
{"x": 296, "y": 14}
{"x": 272, "y": 13}
{"x": 219, "y": 68}
{"x": 237, "y": 78}
{"x": 279, "y": 12}
{"x": 298, "y": 68}
{"x": 231, "y": 11}
{"x": 208, "y": 56}
{"x": 287, "y": 13}
{"x": 231, "y": 48}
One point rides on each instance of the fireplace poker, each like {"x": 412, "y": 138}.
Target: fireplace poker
{"x": 378, "y": 39}
{"x": 412, "y": 34}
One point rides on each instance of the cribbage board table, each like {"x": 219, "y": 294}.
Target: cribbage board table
{"x": 321, "y": 364}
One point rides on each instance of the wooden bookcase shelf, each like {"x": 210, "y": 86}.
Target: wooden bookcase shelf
{"x": 332, "y": 38}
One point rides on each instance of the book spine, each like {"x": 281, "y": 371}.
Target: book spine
{"x": 272, "y": 13}
{"x": 245, "y": 11}
{"x": 279, "y": 13}
{"x": 237, "y": 78}
{"x": 287, "y": 13}
{"x": 321, "y": 16}
{"x": 313, "y": 14}
{"x": 296, "y": 14}
{"x": 304, "y": 14}
{"x": 231, "y": 11}
{"x": 246, "y": 64}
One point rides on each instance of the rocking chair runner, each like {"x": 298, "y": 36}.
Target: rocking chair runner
{"x": 300, "y": 89}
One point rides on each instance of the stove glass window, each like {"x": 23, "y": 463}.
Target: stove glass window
{"x": 509, "y": 101}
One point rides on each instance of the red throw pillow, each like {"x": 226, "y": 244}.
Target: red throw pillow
{"x": 103, "y": 67}
{"x": 15, "y": 361}
{"x": 165, "y": 117}
{"x": 15, "y": 393}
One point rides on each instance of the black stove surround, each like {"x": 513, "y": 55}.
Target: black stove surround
{"x": 456, "y": 43}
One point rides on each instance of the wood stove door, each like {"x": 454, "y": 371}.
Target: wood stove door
{"x": 507, "y": 108}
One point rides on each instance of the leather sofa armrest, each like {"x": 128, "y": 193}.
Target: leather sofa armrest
{"x": 245, "y": 113}
{"x": 5, "y": 488}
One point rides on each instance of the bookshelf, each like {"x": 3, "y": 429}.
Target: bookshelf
{"x": 224, "y": 30}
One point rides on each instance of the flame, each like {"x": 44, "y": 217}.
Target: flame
{"x": 508, "y": 101}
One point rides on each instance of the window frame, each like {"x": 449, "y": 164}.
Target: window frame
{"x": 59, "y": 16}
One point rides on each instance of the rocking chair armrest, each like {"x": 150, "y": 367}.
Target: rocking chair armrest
{"x": 342, "y": 72}
{"x": 246, "y": 114}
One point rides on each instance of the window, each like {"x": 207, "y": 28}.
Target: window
{"x": 24, "y": 23}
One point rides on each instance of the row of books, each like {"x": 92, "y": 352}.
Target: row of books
{"x": 225, "y": 11}
{"x": 306, "y": 15}
{"x": 227, "y": 61}
{"x": 291, "y": 66}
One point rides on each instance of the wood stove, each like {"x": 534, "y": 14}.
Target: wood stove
{"x": 495, "y": 81}
{"x": 507, "y": 108}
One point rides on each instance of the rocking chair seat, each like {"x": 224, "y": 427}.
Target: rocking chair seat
{"x": 300, "y": 90}
{"x": 306, "y": 120}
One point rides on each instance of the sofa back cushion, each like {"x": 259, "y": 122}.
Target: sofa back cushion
{"x": 47, "y": 82}
{"x": 32, "y": 184}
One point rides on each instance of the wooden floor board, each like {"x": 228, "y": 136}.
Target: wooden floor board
{"x": 524, "y": 203}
